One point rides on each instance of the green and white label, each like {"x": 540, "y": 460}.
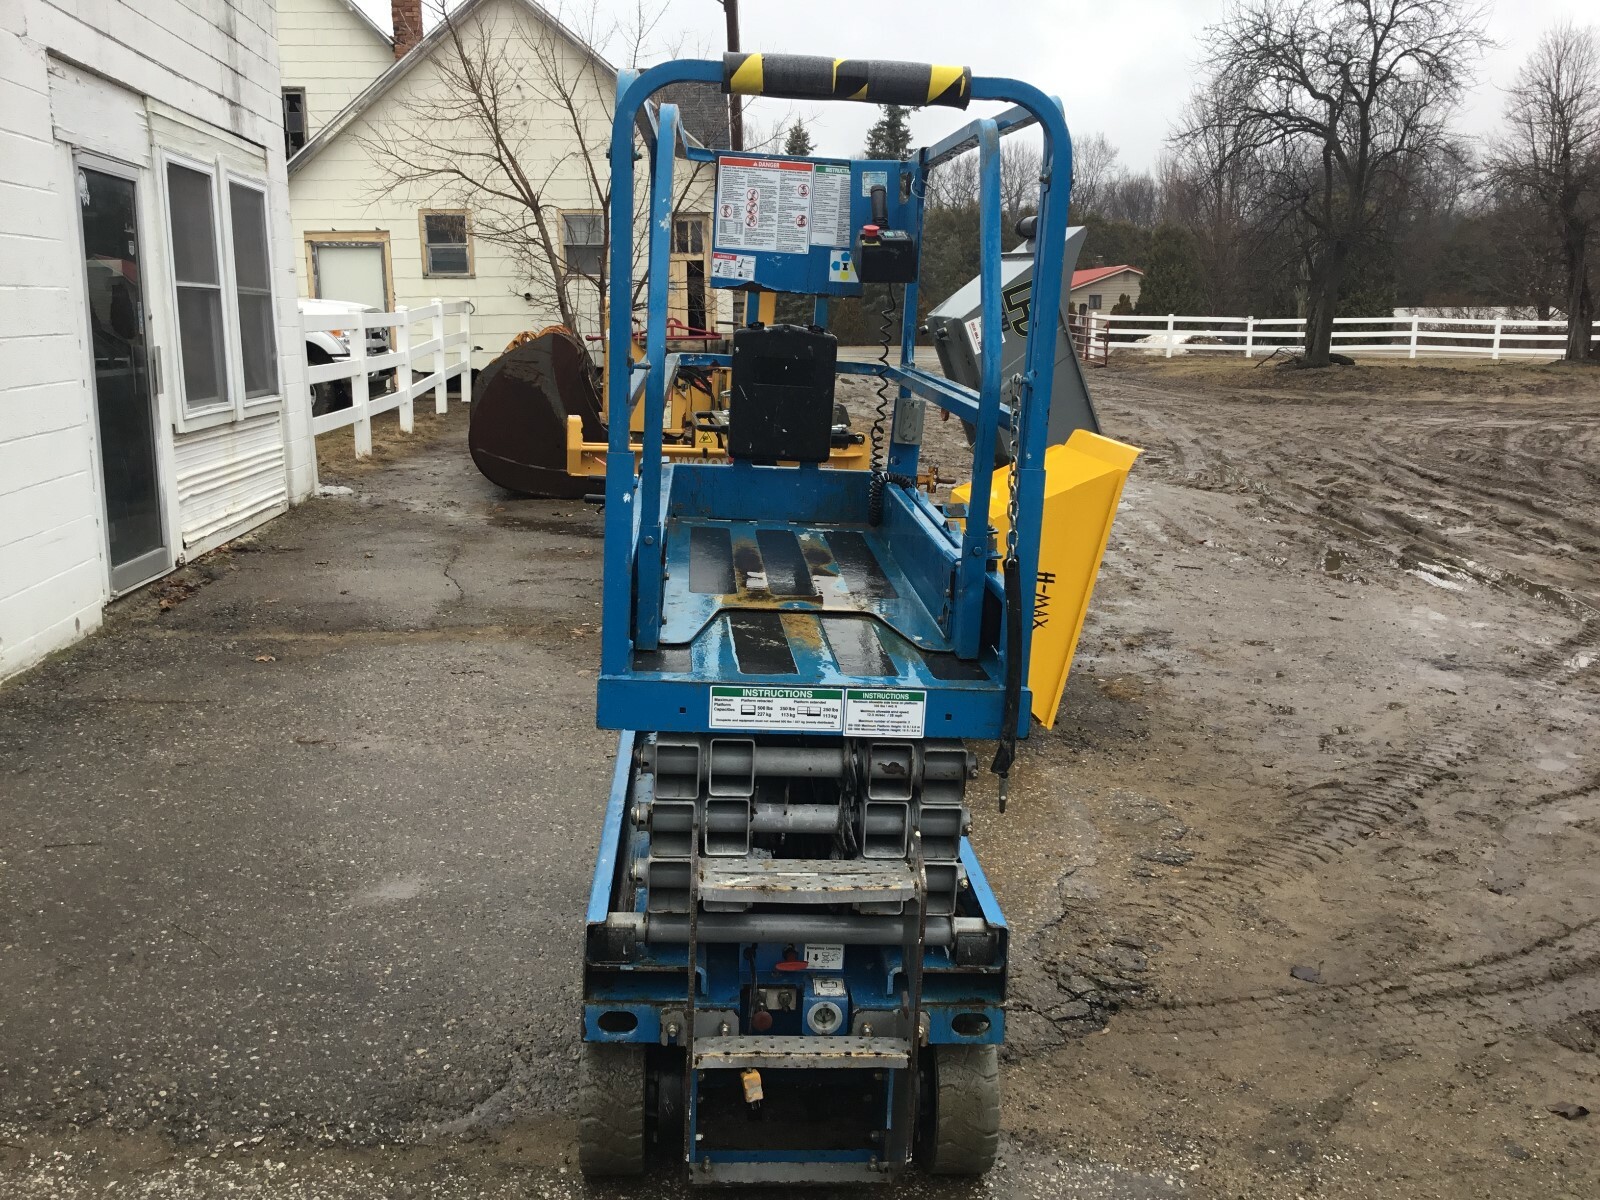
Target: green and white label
{"x": 830, "y": 207}
{"x": 884, "y": 712}
{"x": 815, "y": 710}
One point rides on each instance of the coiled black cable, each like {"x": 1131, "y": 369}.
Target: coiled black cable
{"x": 880, "y": 476}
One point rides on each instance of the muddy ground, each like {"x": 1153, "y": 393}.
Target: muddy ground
{"x": 1302, "y": 886}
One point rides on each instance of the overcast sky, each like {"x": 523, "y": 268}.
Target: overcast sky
{"x": 1121, "y": 67}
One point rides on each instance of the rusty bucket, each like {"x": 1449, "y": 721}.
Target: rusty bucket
{"x": 520, "y": 406}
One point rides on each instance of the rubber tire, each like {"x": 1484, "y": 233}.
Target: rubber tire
{"x": 964, "y": 1134}
{"x": 611, "y": 1109}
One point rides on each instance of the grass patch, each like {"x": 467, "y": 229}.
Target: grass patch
{"x": 336, "y": 449}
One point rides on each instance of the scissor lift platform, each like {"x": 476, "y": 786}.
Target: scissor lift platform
{"x": 794, "y": 966}
{"x": 776, "y": 601}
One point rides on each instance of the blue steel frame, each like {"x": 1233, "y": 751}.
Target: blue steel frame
{"x": 635, "y": 502}
{"x": 653, "y": 980}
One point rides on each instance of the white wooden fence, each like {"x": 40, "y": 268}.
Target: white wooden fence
{"x": 1395, "y": 336}
{"x": 450, "y": 354}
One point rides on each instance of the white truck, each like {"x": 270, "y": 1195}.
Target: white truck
{"x": 334, "y": 346}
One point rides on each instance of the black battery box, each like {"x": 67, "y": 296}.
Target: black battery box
{"x": 781, "y": 406}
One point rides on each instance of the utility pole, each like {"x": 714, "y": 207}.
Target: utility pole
{"x": 730, "y": 9}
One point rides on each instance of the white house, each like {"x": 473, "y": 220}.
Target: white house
{"x": 1097, "y": 289}
{"x": 148, "y": 334}
{"x": 329, "y": 50}
{"x": 364, "y": 236}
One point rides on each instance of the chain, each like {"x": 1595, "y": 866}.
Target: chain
{"x": 1016, "y": 467}
{"x": 1005, "y": 751}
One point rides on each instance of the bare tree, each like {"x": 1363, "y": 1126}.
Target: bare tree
{"x": 954, "y": 184}
{"x": 1212, "y": 185}
{"x": 1135, "y": 199}
{"x": 1094, "y": 168}
{"x": 1021, "y": 162}
{"x": 1340, "y": 98}
{"x": 480, "y": 140}
{"x": 1550, "y": 154}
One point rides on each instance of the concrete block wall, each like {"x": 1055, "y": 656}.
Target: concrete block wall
{"x": 215, "y": 61}
{"x": 52, "y": 546}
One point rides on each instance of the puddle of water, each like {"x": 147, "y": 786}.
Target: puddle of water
{"x": 1422, "y": 571}
{"x": 1332, "y": 561}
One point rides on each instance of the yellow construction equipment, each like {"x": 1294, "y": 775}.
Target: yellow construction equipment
{"x": 539, "y": 423}
{"x": 1083, "y": 485}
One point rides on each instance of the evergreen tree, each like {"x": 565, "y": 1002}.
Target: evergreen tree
{"x": 799, "y": 141}
{"x": 890, "y": 137}
{"x": 1123, "y": 306}
{"x": 1172, "y": 280}
{"x": 1112, "y": 242}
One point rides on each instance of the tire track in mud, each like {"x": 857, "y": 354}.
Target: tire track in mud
{"x": 1507, "y": 500}
{"x": 1397, "y": 471}
{"x": 1531, "y": 986}
{"x": 1568, "y": 656}
{"x": 1331, "y": 818}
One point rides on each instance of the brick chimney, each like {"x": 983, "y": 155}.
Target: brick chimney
{"x": 407, "y": 18}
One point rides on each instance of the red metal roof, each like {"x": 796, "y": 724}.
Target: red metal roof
{"x": 1084, "y": 278}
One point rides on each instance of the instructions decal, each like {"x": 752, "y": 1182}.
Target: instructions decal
{"x": 877, "y": 712}
{"x": 733, "y": 266}
{"x": 763, "y": 204}
{"x": 817, "y": 710}
{"x": 830, "y": 206}
{"x": 872, "y": 179}
{"x": 824, "y": 957}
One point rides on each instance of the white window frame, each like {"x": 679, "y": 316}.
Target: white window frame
{"x": 567, "y": 269}
{"x": 236, "y": 407}
{"x": 422, "y": 232}
{"x": 230, "y": 178}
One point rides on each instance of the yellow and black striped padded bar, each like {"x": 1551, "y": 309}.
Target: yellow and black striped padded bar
{"x": 811, "y": 77}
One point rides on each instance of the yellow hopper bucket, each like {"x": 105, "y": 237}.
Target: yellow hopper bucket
{"x": 1082, "y": 486}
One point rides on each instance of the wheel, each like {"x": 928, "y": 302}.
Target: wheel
{"x": 611, "y": 1109}
{"x": 330, "y": 396}
{"x": 962, "y": 1134}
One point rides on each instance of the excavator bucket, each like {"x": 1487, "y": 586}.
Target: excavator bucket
{"x": 520, "y": 407}
{"x": 1083, "y": 485}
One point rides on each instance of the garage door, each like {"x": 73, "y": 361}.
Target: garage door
{"x": 353, "y": 271}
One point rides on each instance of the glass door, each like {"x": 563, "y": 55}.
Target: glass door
{"x": 126, "y": 416}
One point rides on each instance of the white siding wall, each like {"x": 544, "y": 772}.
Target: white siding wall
{"x": 1109, "y": 289}
{"x": 328, "y": 49}
{"x": 214, "y": 61}
{"x": 341, "y": 190}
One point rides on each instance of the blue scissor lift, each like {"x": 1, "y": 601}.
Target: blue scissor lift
{"x": 794, "y": 967}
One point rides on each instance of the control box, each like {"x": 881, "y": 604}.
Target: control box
{"x": 790, "y": 224}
